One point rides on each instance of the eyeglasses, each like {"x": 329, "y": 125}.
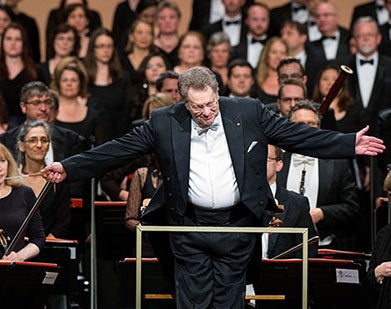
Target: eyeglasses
{"x": 35, "y": 140}
{"x": 48, "y": 103}
{"x": 200, "y": 108}
{"x": 269, "y": 159}
{"x": 288, "y": 100}
{"x": 102, "y": 46}
{"x": 292, "y": 76}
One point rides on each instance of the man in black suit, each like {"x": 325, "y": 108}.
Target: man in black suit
{"x": 370, "y": 86}
{"x": 295, "y": 10}
{"x": 334, "y": 42}
{"x": 296, "y": 211}
{"x": 212, "y": 153}
{"x": 257, "y": 21}
{"x": 232, "y": 23}
{"x": 296, "y": 37}
{"x": 376, "y": 9}
{"x": 38, "y": 102}
{"x": 328, "y": 184}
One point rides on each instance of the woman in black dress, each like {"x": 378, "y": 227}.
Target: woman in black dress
{"x": 16, "y": 201}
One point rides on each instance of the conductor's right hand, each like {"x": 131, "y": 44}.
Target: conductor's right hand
{"x": 54, "y": 172}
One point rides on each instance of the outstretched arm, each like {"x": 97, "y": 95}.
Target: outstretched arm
{"x": 54, "y": 172}
{"x": 368, "y": 145}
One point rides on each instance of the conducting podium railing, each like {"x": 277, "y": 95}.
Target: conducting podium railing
{"x": 204, "y": 229}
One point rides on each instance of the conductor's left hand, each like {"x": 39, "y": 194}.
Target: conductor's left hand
{"x": 54, "y": 172}
{"x": 368, "y": 145}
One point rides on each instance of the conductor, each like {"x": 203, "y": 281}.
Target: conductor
{"x": 212, "y": 152}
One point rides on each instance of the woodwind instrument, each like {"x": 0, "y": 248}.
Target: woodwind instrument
{"x": 335, "y": 88}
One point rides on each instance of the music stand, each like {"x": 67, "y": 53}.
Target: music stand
{"x": 26, "y": 284}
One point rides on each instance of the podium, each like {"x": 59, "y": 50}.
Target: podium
{"x": 26, "y": 284}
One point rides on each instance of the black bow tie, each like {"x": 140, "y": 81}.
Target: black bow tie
{"x": 263, "y": 42}
{"x": 331, "y": 37}
{"x": 379, "y": 7}
{"x": 235, "y": 22}
{"x": 362, "y": 61}
{"x": 311, "y": 23}
{"x": 298, "y": 8}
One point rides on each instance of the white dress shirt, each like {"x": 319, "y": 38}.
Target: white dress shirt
{"x": 212, "y": 181}
{"x": 254, "y": 50}
{"x": 330, "y": 46}
{"x": 382, "y": 14}
{"x": 233, "y": 30}
{"x": 300, "y": 16}
{"x": 366, "y": 75}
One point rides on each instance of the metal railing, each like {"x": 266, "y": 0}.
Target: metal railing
{"x": 205, "y": 229}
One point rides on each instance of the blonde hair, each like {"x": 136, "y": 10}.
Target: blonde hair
{"x": 263, "y": 65}
{"x": 12, "y": 171}
{"x": 156, "y": 101}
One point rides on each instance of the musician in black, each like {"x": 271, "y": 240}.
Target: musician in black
{"x": 16, "y": 201}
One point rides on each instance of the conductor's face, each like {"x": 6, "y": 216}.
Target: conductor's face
{"x": 203, "y": 106}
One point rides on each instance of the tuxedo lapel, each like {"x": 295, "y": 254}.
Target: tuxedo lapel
{"x": 377, "y": 85}
{"x": 326, "y": 172}
{"x": 234, "y": 133}
{"x": 180, "y": 132}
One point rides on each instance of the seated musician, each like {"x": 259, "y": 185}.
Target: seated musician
{"x": 379, "y": 271}
{"x": 295, "y": 214}
{"x": 33, "y": 144}
{"x": 16, "y": 201}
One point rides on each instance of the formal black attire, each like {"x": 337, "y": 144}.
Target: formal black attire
{"x": 55, "y": 211}
{"x": 365, "y": 9}
{"x": 316, "y": 47}
{"x": 168, "y": 133}
{"x": 14, "y": 208}
{"x": 296, "y": 214}
{"x": 110, "y": 101}
{"x": 44, "y": 73}
{"x": 56, "y": 17}
{"x": 123, "y": 19}
{"x": 31, "y": 27}
{"x": 381, "y": 91}
{"x": 218, "y": 27}
{"x": 278, "y": 16}
{"x": 10, "y": 89}
{"x": 65, "y": 142}
{"x": 385, "y": 45}
{"x": 384, "y": 132}
{"x": 337, "y": 198}
{"x": 381, "y": 253}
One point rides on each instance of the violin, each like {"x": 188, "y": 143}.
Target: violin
{"x": 4, "y": 242}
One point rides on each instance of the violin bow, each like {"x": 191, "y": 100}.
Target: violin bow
{"x": 30, "y": 215}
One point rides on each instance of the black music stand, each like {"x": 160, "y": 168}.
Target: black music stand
{"x": 26, "y": 284}
{"x": 153, "y": 283}
{"x": 326, "y": 288}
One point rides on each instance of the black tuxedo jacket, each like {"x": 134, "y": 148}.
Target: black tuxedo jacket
{"x": 296, "y": 214}
{"x": 337, "y": 198}
{"x": 381, "y": 91}
{"x": 65, "y": 142}
{"x": 249, "y": 126}
{"x": 316, "y": 47}
{"x": 385, "y": 45}
{"x": 218, "y": 27}
{"x": 278, "y": 16}
{"x": 366, "y": 9}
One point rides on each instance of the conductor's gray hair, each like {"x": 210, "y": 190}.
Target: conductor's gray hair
{"x": 198, "y": 78}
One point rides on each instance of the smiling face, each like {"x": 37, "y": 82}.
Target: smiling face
{"x": 203, "y": 106}
{"x": 277, "y": 52}
{"x": 35, "y": 145}
{"x": 78, "y": 19}
{"x": 240, "y": 81}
